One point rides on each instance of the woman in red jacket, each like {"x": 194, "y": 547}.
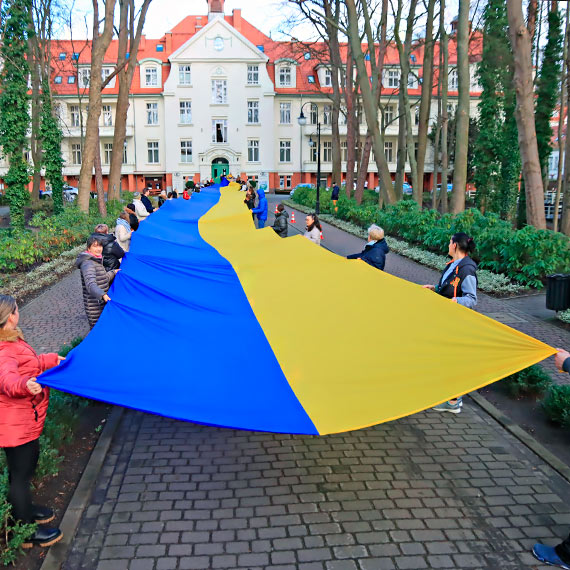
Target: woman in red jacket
{"x": 23, "y": 408}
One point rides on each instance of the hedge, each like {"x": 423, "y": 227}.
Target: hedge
{"x": 526, "y": 256}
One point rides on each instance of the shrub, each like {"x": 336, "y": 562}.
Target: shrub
{"x": 190, "y": 185}
{"x": 532, "y": 381}
{"x": 525, "y": 256}
{"x": 557, "y": 405}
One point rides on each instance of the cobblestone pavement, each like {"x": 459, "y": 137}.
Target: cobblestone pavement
{"x": 428, "y": 491}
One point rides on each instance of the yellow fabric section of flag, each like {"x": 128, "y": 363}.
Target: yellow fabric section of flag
{"x": 357, "y": 345}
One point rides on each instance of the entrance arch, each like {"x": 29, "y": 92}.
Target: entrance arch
{"x": 220, "y": 167}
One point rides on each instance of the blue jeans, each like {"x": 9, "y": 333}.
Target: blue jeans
{"x": 260, "y": 224}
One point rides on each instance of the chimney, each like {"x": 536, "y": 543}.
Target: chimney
{"x": 215, "y": 9}
{"x": 168, "y": 48}
{"x": 236, "y": 17}
{"x": 142, "y": 44}
{"x": 198, "y": 24}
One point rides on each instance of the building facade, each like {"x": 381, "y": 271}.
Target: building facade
{"x": 217, "y": 95}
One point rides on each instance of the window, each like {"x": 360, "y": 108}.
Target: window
{"x": 219, "y": 91}
{"x": 393, "y": 78}
{"x": 159, "y": 47}
{"x": 152, "y": 113}
{"x": 125, "y": 148}
{"x": 184, "y": 75}
{"x": 84, "y": 77}
{"x": 57, "y": 79}
{"x": 185, "y": 151}
{"x": 412, "y": 81}
{"x": 453, "y": 83}
{"x": 253, "y": 74}
{"x": 314, "y": 115}
{"x": 328, "y": 78}
{"x": 343, "y": 151}
{"x": 311, "y": 78}
{"x": 327, "y": 151}
{"x": 219, "y": 130}
{"x": 76, "y": 153}
{"x": 71, "y": 79}
{"x": 253, "y": 150}
{"x": 327, "y": 115}
{"x": 450, "y": 110}
{"x": 285, "y": 181}
{"x": 75, "y": 56}
{"x": 253, "y": 112}
{"x": 62, "y": 56}
{"x": 284, "y": 151}
{"x": 107, "y": 116}
{"x": 186, "y": 112}
{"x": 105, "y": 72}
{"x": 285, "y": 113}
{"x": 417, "y": 115}
{"x": 152, "y": 149}
{"x": 107, "y": 153}
{"x": 389, "y": 151}
{"x": 313, "y": 151}
{"x": 151, "y": 77}
{"x": 342, "y": 117}
{"x": 388, "y": 114}
{"x": 285, "y": 76}
{"x": 74, "y": 112}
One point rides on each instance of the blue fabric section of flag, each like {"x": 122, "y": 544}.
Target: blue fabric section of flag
{"x": 179, "y": 337}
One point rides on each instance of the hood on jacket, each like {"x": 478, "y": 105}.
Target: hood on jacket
{"x": 105, "y": 239}
{"x": 382, "y": 245}
{"x": 283, "y": 214}
{"x": 10, "y": 335}
{"x": 466, "y": 261}
{"x": 83, "y": 256}
{"x": 261, "y": 193}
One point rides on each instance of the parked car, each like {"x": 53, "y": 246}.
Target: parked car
{"x": 449, "y": 187}
{"x": 69, "y": 193}
{"x": 312, "y": 186}
{"x": 407, "y": 188}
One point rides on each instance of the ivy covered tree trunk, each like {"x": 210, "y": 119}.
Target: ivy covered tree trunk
{"x": 14, "y": 102}
{"x": 53, "y": 159}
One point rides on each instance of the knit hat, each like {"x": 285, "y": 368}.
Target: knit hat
{"x": 137, "y": 195}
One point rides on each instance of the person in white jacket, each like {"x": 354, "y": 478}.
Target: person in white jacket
{"x": 314, "y": 229}
{"x": 123, "y": 231}
{"x": 140, "y": 209}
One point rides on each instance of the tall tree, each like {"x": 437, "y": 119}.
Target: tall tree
{"x": 350, "y": 97}
{"x": 425, "y": 102}
{"x": 444, "y": 79}
{"x": 100, "y": 43}
{"x": 462, "y": 112}
{"x": 548, "y": 85}
{"x": 521, "y": 45}
{"x": 14, "y": 102}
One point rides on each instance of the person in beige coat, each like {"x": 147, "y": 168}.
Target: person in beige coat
{"x": 314, "y": 229}
{"x": 123, "y": 231}
{"x": 140, "y": 210}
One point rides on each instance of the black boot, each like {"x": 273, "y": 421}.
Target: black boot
{"x": 42, "y": 515}
{"x": 44, "y": 536}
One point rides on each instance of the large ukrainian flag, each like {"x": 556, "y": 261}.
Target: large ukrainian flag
{"x": 214, "y": 322}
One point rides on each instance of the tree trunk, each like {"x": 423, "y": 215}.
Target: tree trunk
{"x": 562, "y": 113}
{"x": 443, "y": 78}
{"x": 521, "y": 46}
{"x": 462, "y": 114}
{"x": 363, "y": 169}
{"x": 368, "y": 99}
{"x": 401, "y": 150}
{"x": 351, "y": 125}
{"x": 99, "y": 180}
{"x": 425, "y": 103}
{"x": 36, "y": 111}
{"x": 100, "y": 43}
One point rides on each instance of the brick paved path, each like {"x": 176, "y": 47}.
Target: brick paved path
{"x": 427, "y": 491}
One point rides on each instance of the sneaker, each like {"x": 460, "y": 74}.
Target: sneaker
{"x": 449, "y": 407}
{"x": 547, "y": 554}
{"x": 44, "y": 536}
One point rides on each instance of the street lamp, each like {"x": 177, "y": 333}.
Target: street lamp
{"x": 303, "y": 121}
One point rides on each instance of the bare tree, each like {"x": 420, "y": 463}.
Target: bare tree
{"x": 521, "y": 41}
{"x": 100, "y": 43}
{"x": 129, "y": 41}
{"x": 462, "y": 112}
{"x": 444, "y": 80}
{"x": 350, "y": 97}
{"x": 425, "y": 102}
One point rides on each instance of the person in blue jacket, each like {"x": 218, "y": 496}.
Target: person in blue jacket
{"x": 261, "y": 210}
{"x": 375, "y": 251}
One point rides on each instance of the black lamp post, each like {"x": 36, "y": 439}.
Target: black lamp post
{"x": 303, "y": 121}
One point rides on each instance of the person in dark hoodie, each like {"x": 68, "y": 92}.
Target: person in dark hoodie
{"x": 133, "y": 220}
{"x": 112, "y": 251}
{"x": 458, "y": 282}
{"x": 261, "y": 210}
{"x": 280, "y": 223}
{"x": 375, "y": 251}
{"x": 95, "y": 280}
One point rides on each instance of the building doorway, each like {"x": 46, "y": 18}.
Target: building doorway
{"x": 220, "y": 167}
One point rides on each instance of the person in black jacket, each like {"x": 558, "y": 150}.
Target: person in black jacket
{"x": 112, "y": 251}
{"x": 133, "y": 220}
{"x": 458, "y": 283}
{"x": 146, "y": 200}
{"x": 334, "y": 195}
{"x": 375, "y": 251}
{"x": 556, "y": 555}
{"x": 280, "y": 223}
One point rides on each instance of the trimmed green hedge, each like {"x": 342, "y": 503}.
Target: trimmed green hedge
{"x": 526, "y": 256}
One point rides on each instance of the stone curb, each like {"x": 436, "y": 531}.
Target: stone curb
{"x": 57, "y": 554}
{"x": 524, "y": 437}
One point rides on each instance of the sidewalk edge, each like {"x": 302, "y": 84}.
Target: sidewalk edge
{"x": 524, "y": 437}
{"x": 57, "y": 554}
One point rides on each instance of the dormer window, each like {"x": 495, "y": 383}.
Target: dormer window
{"x": 311, "y": 78}
{"x": 151, "y": 76}
{"x": 84, "y": 77}
{"x": 285, "y": 75}
{"x": 328, "y": 78}
{"x": 57, "y": 79}
{"x": 62, "y": 56}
